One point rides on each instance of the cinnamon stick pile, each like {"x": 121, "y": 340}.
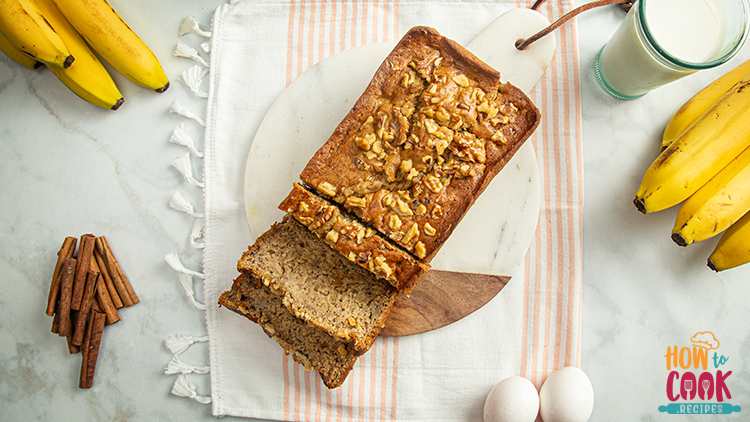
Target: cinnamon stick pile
{"x": 87, "y": 289}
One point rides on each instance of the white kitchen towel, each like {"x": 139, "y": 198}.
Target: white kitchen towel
{"x": 530, "y": 329}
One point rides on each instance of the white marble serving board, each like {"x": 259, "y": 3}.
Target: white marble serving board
{"x": 497, "y": 231}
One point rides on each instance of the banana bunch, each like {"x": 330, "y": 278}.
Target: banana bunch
{"x": 63, "y": 36}
{"x": 705, "y": 167}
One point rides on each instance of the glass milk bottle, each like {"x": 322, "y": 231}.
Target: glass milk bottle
{"x": 661, "y": 41}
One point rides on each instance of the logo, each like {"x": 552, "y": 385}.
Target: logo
{"x": 697, "y": 382}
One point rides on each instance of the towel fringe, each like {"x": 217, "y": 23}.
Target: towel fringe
{"x": 199, "y": 229}
{"x": 183, "y": 388}
{"x": 177, "y": 108}
{"x": 180, "y": 203}
{"x": 190, "y": 24}
{"x": 174, "y": 261}
{"x": 181, "y": 137}
{"x": 185, "y": 51}
{"x": 186, "y": 278}
{"x": 176, "y": 366}
{"x": 183, "y": 165}
{"x": 179, "y": 343}
{"x": 193, "y": 78}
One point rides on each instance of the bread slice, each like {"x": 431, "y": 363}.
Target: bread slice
{"x": 429, "y": 133}
{"x": 361, "y": 245}
{"x": 319, "y": 285}
{"x": 309, "y": 345}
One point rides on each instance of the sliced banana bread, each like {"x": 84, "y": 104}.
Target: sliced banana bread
{"x": 361, "y": 245}
{"x": 318, "y": 284}
{"x": 309, "y": 345}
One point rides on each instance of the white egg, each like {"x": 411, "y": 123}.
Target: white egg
{"x": 566, "y": 396}
{"x": 513, "y": 399}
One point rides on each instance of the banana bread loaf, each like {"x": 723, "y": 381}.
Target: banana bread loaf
{"x": 431, "y": 130}
{"x": 361, "y": 245}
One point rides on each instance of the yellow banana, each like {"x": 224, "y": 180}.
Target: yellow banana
{"x": 22, "y": 24}
{"x": 700, "y": 102}
{"x": 716, "y": 205}
{"x": 714, "y": 140}
{"x": 103, "y": 28}
{"x": 18, "y": 55}
{"x": 86, "y": 77}
{"x": 733, "y": 248}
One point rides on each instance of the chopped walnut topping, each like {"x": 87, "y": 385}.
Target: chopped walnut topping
{"x": 461, "y": 80}
{"x": 402, "y": 208}
{"x": 508, "y": 108}
{"x": 412, "y": 174}
{"x": 327, "y": 189}
{"x": 394, "y": 222}
{"x": 406, "y": 166}
{"x": 407, "y": 109}
{"x": 386, "y": 270}
{"x": 303, "y": 207}
{"x": 332, "y": 236}
{"x": 411, "y": 235}
{"x": 489, "y": 109}
{"x": 499, "y": 137}
{"x": 430, "y": 128}
{"x": 355, "y": 202}
{"x": 433, "y": 183}
{"x": 365, "y": 142}
{"x": 430, "y": 125}
{"x": 437, "y": 212}
{"x": 420, "y": 250}
{"x": 502, "y": 120}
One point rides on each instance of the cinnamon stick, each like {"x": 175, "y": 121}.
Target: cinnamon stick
{"x": 125, "y": 281}
{"x": 66, "y": 251}
{"x": 105, "y": 302}
{"x": 91, "y": 346}
{"x": 55, "y": 324}
{"x": 83, "y": 312}
{"x": 85, "y": 347}
{"x": 114, "y": 296}
{"x": 112, "y": 265}
{"x": 72, "y": 348}
{"x": 66, "y": 291}
{"x": 85, "y": 252}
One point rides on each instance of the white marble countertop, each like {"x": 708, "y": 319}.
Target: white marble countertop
{"x": 69, "y": 168}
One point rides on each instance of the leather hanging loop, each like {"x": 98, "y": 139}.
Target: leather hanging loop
{"x": 523, "y": 44}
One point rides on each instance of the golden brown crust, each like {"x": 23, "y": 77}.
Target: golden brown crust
{"x": 432, "y": 129}
{"x": 361, "y": 245}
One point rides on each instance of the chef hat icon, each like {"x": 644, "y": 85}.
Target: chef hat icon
{"x": 706, "y": 340}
